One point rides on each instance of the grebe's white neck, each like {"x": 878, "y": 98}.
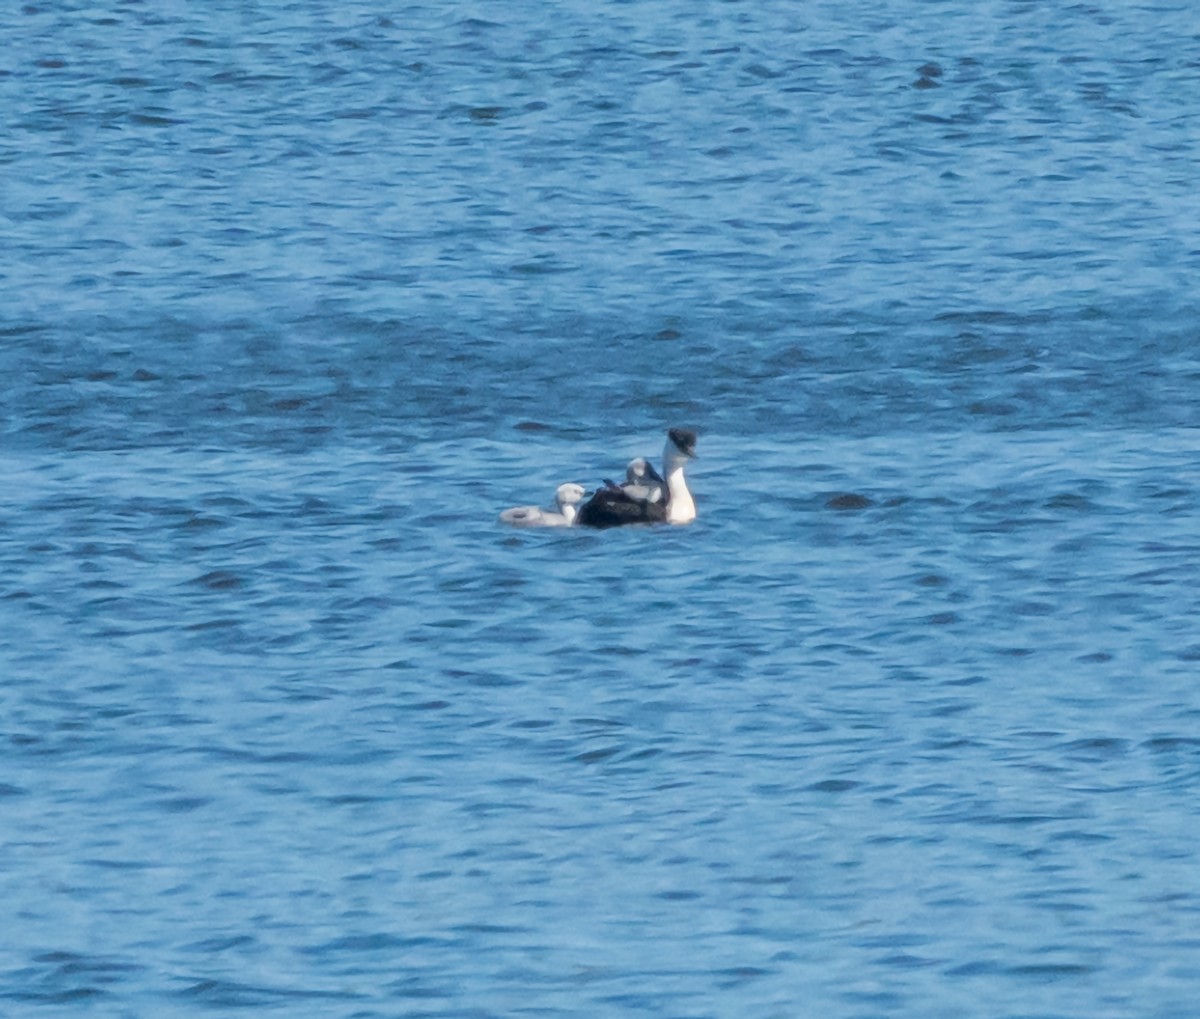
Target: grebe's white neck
{"x": 681, "y": 507}
{"x": 568, "y": 497}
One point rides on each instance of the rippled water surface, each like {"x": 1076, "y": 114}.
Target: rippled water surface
{"x": 298, "y": 297}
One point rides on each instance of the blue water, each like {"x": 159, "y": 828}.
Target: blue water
{"x": 298, "y": 297}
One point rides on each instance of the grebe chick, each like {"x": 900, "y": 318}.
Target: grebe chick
{"x": 567, "y": 498}
{"x": 617, "y": 505}
{"x": 642, "y": 481}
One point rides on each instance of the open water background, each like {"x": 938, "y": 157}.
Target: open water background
{"x": 298, "y": 296}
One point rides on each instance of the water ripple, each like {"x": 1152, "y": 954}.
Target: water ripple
{"x": 295, "y": 307}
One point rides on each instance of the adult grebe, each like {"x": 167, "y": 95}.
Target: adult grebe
{"x": 567, "y": 497}
{"x": 614, "y": 506}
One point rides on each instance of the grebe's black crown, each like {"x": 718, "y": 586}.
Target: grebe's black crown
{"x": 685, "y": 439}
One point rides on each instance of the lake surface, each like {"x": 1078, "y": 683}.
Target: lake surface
{"x": 297, "y": 298}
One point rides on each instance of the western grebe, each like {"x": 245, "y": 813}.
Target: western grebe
{"x": 616, "y": 505}
{"x": 642, "y": 481}
{"x": 567, "y": 497}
